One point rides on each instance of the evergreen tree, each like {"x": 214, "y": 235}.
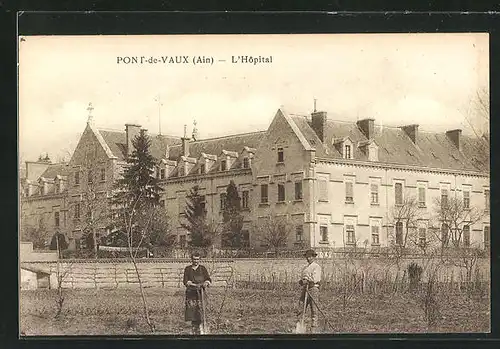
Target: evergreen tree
{"x": 196, "y": 219}
{"x": 232, "y": 217}
{"x": 139, "y": 185}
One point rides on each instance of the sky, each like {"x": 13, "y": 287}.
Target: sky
{"x": 398, "y": 79}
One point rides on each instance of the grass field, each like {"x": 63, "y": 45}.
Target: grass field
{"x": 245, "y": 311}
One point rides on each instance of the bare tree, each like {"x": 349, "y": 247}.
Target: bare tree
{"x": 454, "y": 217}
{"x": 274, "y": 231}
{"x": 477, "y": 115}
{"x": 406, "y": 217}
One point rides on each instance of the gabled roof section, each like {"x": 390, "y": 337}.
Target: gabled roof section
{"x": 116, "y": 141}
{"x": 102, "y": 142}
{"x": 296, "y": 130}
{"x": 54, "y": 170}
{"x": 215, "y": 146}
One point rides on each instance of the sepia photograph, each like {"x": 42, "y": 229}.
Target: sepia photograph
{"x": 298, "y": 184}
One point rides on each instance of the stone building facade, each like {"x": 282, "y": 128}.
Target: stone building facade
{"x": 335, "y": 182}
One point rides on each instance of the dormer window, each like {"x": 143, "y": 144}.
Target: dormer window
{"x": 223, "y": 165}
{"x": 347, "y": 151}
{"x": 246, "y": 163}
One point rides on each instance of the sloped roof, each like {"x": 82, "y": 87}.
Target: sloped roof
{"x": 117, "y": 142}
{"x": 433, "y": 150}
{"x": 215, "y": 146}
{"x": 56, "y": 169}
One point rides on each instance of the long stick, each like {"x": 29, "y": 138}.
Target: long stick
{"x": 317, "y": 307}
{"x": 203, "y": 308}
{"x": 305, "y": 305}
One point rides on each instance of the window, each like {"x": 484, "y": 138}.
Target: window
{"x": 422, "y": 236}
{"x": 77, "y": 211}
{"x": 351, "y": 235}
{"x": 374, "y": 194}
{"x": 263, "y": 194}
{"x": 181, "y": 201}
{"x": 162, "y": 173}
{"x": 77, "y": 177}
{"x": 90, "y": 176}
{"x": 203, "y": 203}
{"x": 323, "y": 190}
{"x": 56, "y": 219}
{"x": 347, "y": 152}
{"x": 487, "y": 236}
{"x": 421, "y": 197}
{"x": 89, "y": 214}
{"x": 398, "y": 193}
{"x": 323, "y": 231}
{"x": 281, "y": 192}
{"x": 349, "y": 196}
{"x": 444, "y": 234}
{"x": 487, "y": 199}
{"x": 202, "y": 169}
{"x": 444, "y": 198}
{"x": 298, "y": 190}
{"x": 399, "y": 233}
{"x": 245, "y": 238}
{"x": 244, "y": 199}
{"x": 466, "y": 199}
{"x": 246, "y": 163}
{"x": 27, "y": 191}
{"x": 466, "y": 235}
{"x": 223, "y": 201}
{"x": 103, "y": 174}
{"x": 58, "y": 186}
{"x": 223, "y": 165}
{"x": 182, "y": 241}
{"x": 299, "y": 233}
{"x": 375, "y": 235}
{"x": 281, "y": 156}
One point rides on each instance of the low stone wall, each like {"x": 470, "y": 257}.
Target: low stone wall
{"x": 112, "y": 274}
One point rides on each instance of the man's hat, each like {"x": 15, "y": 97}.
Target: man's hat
{"x": 310, "y": 253}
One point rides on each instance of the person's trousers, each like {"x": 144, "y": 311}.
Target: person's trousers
{"x": 196, "y": 327}
{"x": 313, "y": 292}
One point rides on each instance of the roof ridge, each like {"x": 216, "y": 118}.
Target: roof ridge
{"x": 222, "y": 137}
{"x": 123, "y": 132}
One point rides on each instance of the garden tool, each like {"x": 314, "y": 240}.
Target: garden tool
{"x": 301, "y": 326}
{"x": 205, "y": 328}
{"x": 317, "y": 307}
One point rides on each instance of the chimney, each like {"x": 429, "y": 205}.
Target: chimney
{"x": 454, "y": 136}
{"x": 411, "y": 131}
{"x": 132, "y": 131}
{"x": 185, "y": 146}
{"x": 367, "y": 127}
{"x": 319, "y": 124}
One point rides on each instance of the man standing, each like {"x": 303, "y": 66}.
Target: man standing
{"x": 310, "y": 281}
{"x": 196, "y": 280}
